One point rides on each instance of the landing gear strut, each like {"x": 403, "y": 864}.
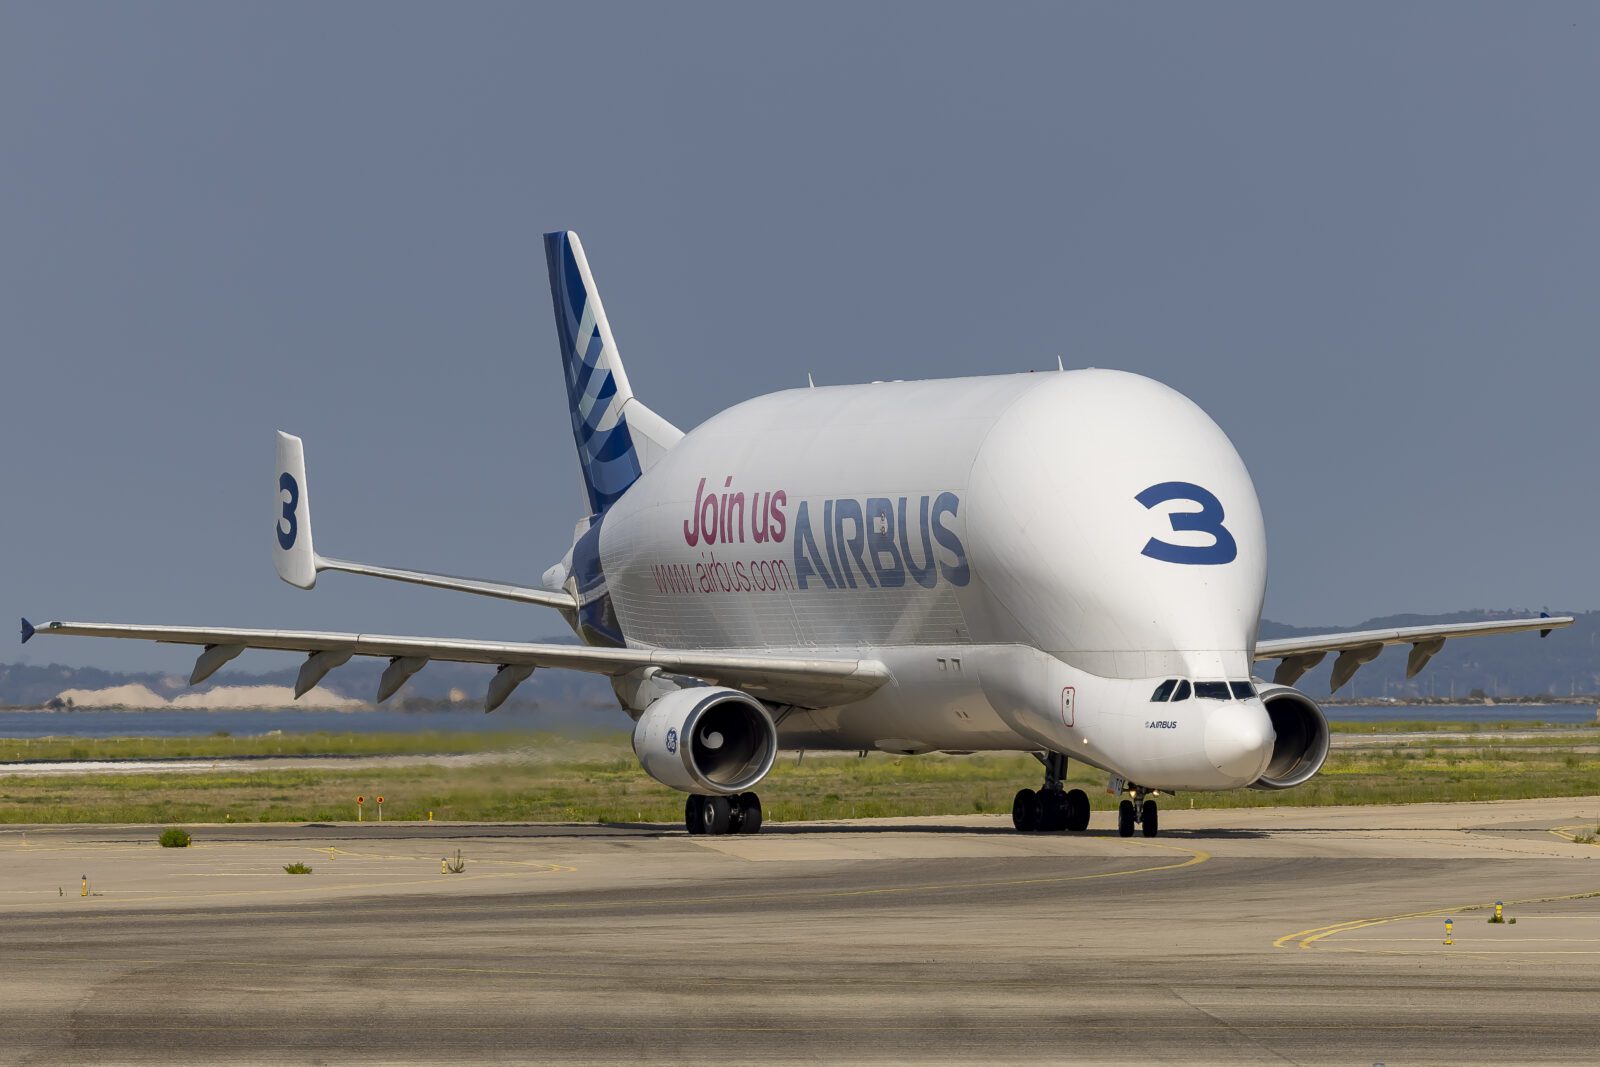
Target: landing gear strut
{"x": 739, "y": 814}
{"x": 1137, "y": 812}
{"x": 1054, "y": 807}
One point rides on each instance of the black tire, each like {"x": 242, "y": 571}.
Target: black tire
{"x": 1077, "y": 810}
{"x": 1052, "y": 811}
{"x": 1125, "y": 819}
{"x": 1148, "y": 821}
{"x": 749, "y": 813}
{"x": 694, "y": 817}
{"x": 1025, "y": 811}
{"x": 718, "y": 815}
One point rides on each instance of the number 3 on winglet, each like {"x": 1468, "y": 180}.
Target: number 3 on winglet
{"x": 287, "y": 484}
{"x": 1208, "y": 520}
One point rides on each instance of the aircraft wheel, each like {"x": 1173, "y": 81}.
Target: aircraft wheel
{"x": 717, "y": 815}
{"x": 1125, "y": 819}
{"x": 1148, "y": 820}
{"x": 1077, "y": 810}
{"x": 1025, "y": 811}
{"x": 694, "y": 817}
{"x": 749, "y": 813}
{"x": 1052, "y": 811}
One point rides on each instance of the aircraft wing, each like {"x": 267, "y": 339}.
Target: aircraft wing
{"x": 804, "y": 681}
{"x": 1300, "y": 654}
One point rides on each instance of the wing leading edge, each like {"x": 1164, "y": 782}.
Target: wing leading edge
{"x": 1299, "y": 654}
{"x": 803, "y": 681}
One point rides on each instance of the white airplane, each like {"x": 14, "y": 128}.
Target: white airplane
{"x": 1069, "y": 563}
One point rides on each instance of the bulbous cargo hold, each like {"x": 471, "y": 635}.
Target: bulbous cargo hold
{"x": 1302, "y": 745}
{"x": 708, "y": 739}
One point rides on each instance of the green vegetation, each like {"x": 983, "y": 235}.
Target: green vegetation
{"x": 546, "y": 778}
{"x": 296, "y": 868}
{"x": 1426, "y": 726}
{"x": 219, "y": 745}
{"x": 175, "y": 838}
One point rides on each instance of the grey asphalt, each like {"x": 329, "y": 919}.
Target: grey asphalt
{"x": 1275, "y": 936}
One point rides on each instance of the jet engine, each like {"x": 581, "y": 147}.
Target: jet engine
{"x": 707, "y": 740}
{"x": 1302, "y": 745}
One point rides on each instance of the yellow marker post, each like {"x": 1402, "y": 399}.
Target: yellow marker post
{"x": 1499, "y": 912}
{"x": 441, "y": 866}
{"x": 1449, "y": 930}
{"x": 430, "y": 816}
{"x": 85, "y": 886}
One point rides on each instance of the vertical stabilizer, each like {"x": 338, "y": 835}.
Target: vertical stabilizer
{"x": 292, "y": 553}
{"x": 617, "y": 437}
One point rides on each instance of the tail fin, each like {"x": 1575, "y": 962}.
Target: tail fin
{"x": 618, "y": 438}
{"x": 293, "y": 555}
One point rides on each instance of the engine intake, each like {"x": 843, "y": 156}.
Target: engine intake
{"x": 1302, "y": 745}
{"x": 708, "y": 740}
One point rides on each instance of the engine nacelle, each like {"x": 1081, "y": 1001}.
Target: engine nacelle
{"x": 707, "y": 739}
{"x": 1302, "y": 745}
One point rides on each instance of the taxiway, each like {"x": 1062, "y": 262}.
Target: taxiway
{"x": 1239, "y": 936}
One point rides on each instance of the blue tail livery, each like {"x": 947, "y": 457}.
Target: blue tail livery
{"x": 617, "y": 437}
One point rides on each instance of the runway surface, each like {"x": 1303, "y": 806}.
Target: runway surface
{"x": 1255, "y": 936}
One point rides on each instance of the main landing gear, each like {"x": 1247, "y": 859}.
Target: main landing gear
{"x": 738, "y": 814}
{"x": 1138, "y": 811}
{"x": 1053, "y": 807}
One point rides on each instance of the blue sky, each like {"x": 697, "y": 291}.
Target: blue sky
{"x": 1362, "y": 236}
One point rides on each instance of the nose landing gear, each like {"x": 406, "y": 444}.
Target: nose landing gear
{"x": 1138, "y": 811}
{"x": 1054, "y": 807}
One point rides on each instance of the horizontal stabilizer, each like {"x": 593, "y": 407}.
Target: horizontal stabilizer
{"x": 299, "y": 564}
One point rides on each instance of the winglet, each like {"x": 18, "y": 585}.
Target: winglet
{"x": 1542, "y": 615}
{"x": 27, "y": 630}
{"x": 292, "y": 553}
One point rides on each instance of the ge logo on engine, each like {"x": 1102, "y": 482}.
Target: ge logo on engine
{"x": 672, "y": 740}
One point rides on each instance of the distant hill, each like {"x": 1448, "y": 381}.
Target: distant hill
{"x": 560, "y": 697}
{"x": 1566, "y": 663}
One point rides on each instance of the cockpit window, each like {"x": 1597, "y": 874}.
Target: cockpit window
{"x": 1211, "y": 690}
{"x": 1183, "y": 690}
{"x": 1164, "y": 690}
{"x": 1242, "y": 690}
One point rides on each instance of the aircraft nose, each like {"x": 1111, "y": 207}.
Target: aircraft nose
{"x": 1239, "y": 740}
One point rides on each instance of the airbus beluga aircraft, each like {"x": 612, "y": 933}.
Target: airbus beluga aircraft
{"x": 1066, "y": 563}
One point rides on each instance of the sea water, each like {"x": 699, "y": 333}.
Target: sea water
{"x": 193, "y": 723}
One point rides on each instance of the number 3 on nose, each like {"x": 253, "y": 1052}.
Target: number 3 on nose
{"x": 1208, "y": 519}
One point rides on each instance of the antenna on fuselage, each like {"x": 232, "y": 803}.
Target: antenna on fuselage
{"x": 809, "y": 383}
{"x": 1059, "y": 365}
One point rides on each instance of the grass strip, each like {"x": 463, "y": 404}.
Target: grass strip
{"x": 599, "y": 780}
